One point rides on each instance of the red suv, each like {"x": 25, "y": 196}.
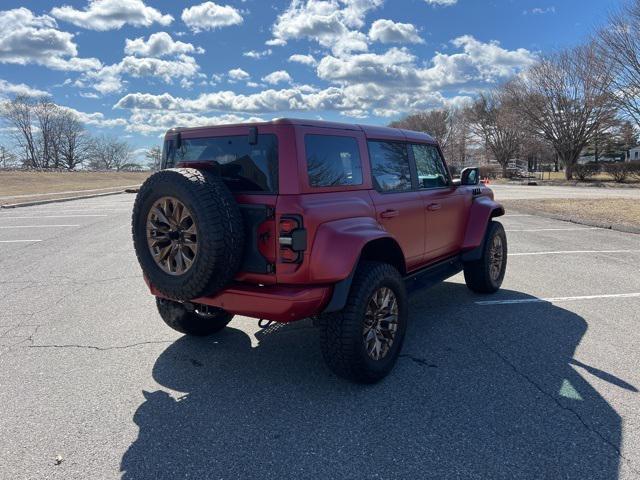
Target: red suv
{"x": 291, "y": 219}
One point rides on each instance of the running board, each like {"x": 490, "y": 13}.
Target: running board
{"x": 433, "y": 274}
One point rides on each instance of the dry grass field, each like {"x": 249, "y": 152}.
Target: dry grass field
{"x": 603, "y": 212}
{"x": 18, "y": 186}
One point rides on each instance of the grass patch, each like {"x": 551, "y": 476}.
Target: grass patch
{"x": 613, "y": 212}
{"x": 17, "y": 186}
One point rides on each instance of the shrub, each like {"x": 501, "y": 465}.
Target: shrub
{"x": 490, "y": 171}
{"x": 634, "y": 169}
{"x": 619, "y": 171}
{"x": 585, "y": 171}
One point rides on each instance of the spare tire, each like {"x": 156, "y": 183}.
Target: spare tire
{"x": 188, "y": 233}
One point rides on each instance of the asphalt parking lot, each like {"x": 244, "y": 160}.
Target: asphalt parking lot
{"x": 538, "y": 381}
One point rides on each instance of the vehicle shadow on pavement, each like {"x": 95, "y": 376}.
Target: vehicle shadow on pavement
{"x": 480, "y": 392}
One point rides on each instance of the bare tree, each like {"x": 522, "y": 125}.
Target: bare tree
{"x": 565, "y": 99}
{"x": 111, "y": 154}
{"x": 154, "y": 156}
{"x": 494, "y": 119}
{"x": 46, "y": 120}
{"x": 18, "y": 113}
{"x": 437, "y": 123}
{"x": 73, "y": 143}
{"x": 619, "y": 43}
{"x": 7, "y": 158}
{"x": 456, "y": 149}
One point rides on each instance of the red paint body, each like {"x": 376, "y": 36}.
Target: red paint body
{"x": 425, "y": 225}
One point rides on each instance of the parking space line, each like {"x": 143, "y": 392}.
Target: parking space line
{"x": 37, "y": 226}
{"x": 509, "y": 215}
{"x": 556, "y": 299}
{"x": 19, "y": 241}
{"x": 50, "y": 216}
{"x": 570, "y": 252}
{"x": 553, "y": 229}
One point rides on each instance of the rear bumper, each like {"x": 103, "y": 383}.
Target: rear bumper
{"x": 273, "y": 302}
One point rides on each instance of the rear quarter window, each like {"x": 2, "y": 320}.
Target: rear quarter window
{"x": 333, "y": 160}
{"x": 243, "y": 167}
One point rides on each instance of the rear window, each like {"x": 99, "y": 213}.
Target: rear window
{"x": 333, "y": 160}
{"x": 243, "y": 167}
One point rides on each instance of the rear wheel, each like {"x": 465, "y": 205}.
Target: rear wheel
{"x": 363, "y": 341}
{"x": 194, "y": 322}
{"x": 486, "y": 275}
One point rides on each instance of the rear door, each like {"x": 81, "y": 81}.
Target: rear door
{"x": 399, "y": 207}
{"x": 444, "y": 205}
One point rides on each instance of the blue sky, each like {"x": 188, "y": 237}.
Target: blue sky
{"x": 133, "y": 68}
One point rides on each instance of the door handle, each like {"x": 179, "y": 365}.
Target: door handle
{"x": 434, "y": 206}
{"x": 390, "y": 213}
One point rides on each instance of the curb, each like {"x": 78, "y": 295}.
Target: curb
{"x": 65, "y": 199}
{"x": 607, "y": 226}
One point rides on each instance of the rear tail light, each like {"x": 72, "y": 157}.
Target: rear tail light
{"x": 292, "y": 239}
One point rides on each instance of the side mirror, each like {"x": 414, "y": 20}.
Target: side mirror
{"x": 470, "y": 176}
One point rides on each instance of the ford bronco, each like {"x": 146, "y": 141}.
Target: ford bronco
{"x": 291, "y": 219}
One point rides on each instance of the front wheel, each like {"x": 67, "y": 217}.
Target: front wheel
{"x": 192, "y": 322}
{"x": 363, "y": 341}
{"x": 486, "y": 275}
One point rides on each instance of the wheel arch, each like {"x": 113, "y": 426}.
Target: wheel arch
{"x": 387, "y": 250}
{"x": 338, "y": 246}
{"x": 383, "y": 249}
{"x": 483, "y": 210}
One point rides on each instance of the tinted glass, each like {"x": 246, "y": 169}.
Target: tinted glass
{"x": 431, "y": 170}
{"x": 332, "y": 160}
{"x": 390, "y": 166}
{"x": 243, "y": 167}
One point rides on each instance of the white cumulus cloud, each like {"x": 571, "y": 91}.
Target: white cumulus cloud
{"x": 332, "y": 23}
{"x": 236, "y": 74}
{"x": 26, "y": 38}
{"x": 303, "y": 59}
{"x": 444, "y": 3}
{"x": 210, "y": 16}
{"x": 388, "y": 31}
{"x": 105, "y": 15}
{"x": 158, "y": 45}
{"x": 279, "y": 76}
{"x": 10, "y": 89}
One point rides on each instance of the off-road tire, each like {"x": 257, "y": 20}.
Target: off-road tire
{"x": 341, "y": 333}
{"x": 220, "y": 232}
{"x": 477, "y": 274}
{"x": 176, "y": 316}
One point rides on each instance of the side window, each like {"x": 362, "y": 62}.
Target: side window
{"x": 390, "y": 166}
{"x": 431, "y": 170}
{"x": 332, "y": 160}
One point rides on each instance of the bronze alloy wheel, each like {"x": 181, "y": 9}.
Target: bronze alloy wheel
{"x": 172, "y": 235}
{"x": 496, "y": 257}
{"x": 381, "y": 323}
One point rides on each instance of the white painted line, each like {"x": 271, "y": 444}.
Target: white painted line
{"x": 571, "y": 252}
{"x": 517, "y": 215}
{"x": 19, "y": 241}
{"x": 553, "y": 229}
{"x": 49, "y": 216}
{"x": 37, "y": 226}
{"x": 556, "y": 299}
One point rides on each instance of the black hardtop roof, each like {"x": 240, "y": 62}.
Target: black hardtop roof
{"x": 371, "y": 131}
